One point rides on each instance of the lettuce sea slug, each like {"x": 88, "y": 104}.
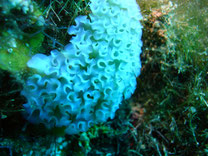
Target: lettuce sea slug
{"x": 84, "y": 84}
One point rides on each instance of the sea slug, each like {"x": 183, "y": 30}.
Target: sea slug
{"x": 85, "y": 83}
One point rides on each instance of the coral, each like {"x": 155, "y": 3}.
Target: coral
{"x": 85, "y": 83}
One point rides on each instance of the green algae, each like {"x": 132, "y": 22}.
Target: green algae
{"x": 168, "y": 112}
{"x": 19, "y": 35}
{"x": 174, "y": 83}
{"x": 14, "y": 56}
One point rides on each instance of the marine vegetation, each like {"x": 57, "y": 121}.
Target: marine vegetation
{"x": 19, "y": 38}
{"x": 166, "y": 115}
